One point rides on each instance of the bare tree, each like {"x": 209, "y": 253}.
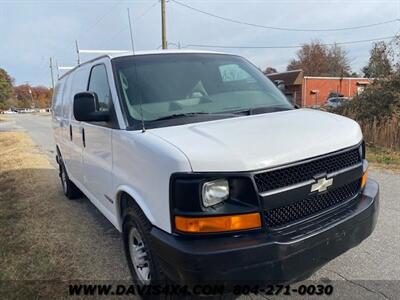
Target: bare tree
{"x": 316, "y": 59}
{"x": 338, "y": 62}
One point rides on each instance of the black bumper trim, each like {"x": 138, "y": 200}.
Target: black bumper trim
{"x": 263, "y": 257}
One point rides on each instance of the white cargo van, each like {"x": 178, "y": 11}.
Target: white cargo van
{"x": 208, "y": 171}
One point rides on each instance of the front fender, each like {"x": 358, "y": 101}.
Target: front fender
{"x": 137, "y": 198}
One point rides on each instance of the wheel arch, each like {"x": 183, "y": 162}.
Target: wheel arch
{"x": 58, "y": 154}
{"x": 125, "y": 197}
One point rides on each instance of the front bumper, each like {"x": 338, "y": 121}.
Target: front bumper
{"x": 279, "y": 257}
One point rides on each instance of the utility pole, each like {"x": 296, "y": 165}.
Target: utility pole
{"x": 51, "y": 72}
{"x": 163, "y": 26}
{"x": 32, "y": 102}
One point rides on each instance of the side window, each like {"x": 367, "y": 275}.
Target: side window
{"x": 99, "y": 84}
{"x": 57, "y": 99}
{"x": 66, "y": 106}
{"x": 233, "y": 72}
{"x": 78, "y": 82}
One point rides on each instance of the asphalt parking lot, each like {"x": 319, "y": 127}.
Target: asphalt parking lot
{"x": 369, "y": 271}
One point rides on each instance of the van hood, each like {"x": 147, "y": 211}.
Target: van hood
{"x": 261, "y": 141}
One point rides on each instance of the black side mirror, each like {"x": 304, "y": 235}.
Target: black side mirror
{"x": 86, "y": 108}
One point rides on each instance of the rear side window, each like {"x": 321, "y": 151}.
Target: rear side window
{"x": 99, "y": 84}
{"x": 67, "y": 101}
{"x": 79, "y": 82}
{"x": 57, "y": 99}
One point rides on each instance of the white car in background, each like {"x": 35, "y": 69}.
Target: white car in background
{"x": 8, "y": 112}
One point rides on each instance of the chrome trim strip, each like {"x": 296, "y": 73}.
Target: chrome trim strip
{"x": 287, "y": 188}
{"x": 311, "y": 159}
{"x": 344, "y": 170}
{"x": 311, "y": 181}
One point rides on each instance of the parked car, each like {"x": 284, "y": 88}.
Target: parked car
{"x": 207, "y": 170}
{"x": 336, "y": 101}
{"x": 8, "y": 112}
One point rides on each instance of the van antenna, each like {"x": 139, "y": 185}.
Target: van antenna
{"x": 130, "y": 31}
{"x": 140, "y": 101}
{"x": 141, "y": 109}
{"x": 133, "y": 52}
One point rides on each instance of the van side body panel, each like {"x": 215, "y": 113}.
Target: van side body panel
{"x": 115, "y": 161}
{"x": 143, "y": 164}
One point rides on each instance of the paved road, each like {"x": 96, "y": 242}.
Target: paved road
{"x": 38, "y": 128}
{"x": 371, "y": 270}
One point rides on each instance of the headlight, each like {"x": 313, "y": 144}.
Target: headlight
{"x": 214, "y": 192}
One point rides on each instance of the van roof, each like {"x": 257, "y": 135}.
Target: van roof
{"x": 167, "y": 51}
{"x": 136, "y": 53}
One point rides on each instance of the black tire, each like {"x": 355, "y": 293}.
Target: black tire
{"x": 135, "y": 220}
{"x": 133, "y": 217}
{"x": 70, "y": 190}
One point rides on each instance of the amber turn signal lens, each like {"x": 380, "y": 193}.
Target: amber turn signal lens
{"x": 217, "y": 224}
{"x": 364, "y": 179}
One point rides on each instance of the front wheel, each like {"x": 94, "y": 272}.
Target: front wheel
{"x": 142, "y": 263}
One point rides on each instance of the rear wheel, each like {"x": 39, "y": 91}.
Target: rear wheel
{"x": 69, "y": 188}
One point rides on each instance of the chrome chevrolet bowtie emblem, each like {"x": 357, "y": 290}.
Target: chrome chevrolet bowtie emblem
{"x": 321, "y": 185}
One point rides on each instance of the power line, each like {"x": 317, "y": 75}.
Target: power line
{"x": 284, "y": 47}
{"x": 145, "y": 12}
{"x": 88, "y": 28}
{"x": 282, "y": 28}
{"x": 135, "y": 20}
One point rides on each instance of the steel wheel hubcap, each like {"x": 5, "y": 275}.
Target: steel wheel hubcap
{"x": 139, "y": 256}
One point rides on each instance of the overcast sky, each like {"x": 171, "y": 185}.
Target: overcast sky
{"x": 32, "y": 31}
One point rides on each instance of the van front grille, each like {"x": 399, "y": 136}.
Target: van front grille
{"x": 311, "y": 205}
{"x": 287, "y": 176}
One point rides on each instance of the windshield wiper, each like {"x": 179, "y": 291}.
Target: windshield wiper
{"x": 261, "y": 110}
{"x": 250, "y": 111}
{"x": 175, "y": 116}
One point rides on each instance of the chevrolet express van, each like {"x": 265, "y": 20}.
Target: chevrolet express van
{"x": 206, "y": 169}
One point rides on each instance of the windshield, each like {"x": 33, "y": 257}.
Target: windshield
{"x": 167, "y": 86}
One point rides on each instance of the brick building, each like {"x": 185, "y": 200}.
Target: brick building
{"x": 314, "y": 91}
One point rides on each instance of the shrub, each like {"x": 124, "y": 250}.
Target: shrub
{"x": 377, "y": 110}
